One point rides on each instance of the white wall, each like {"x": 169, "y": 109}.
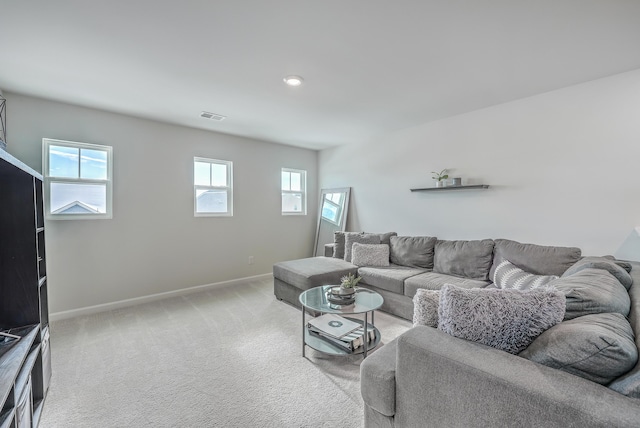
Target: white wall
{"x": 154, "y": 243}
{"x": 563, "y": 169}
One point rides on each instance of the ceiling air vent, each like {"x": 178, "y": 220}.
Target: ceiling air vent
{"x": 212, "y": 116}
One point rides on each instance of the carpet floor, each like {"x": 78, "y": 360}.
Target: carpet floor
{"x": 225, "y": 357}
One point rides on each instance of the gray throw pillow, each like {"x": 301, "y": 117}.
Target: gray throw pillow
{"x": 597, "y": 347}
{"x": 339, "y": 239}
{"x": 505, "y": 319}
{"x": 412, "y": 251}
{"x": 593, "y": 291}
{"x": 425, "y": 307}
{"x": 508, "y": 275}
{"x": 605, "y": 264}
{"x": 385, "y": 238}
{"x": 537, "y": 259}
{"x": 370, "y": 254}
{"x": 338, "y": 245}
{"x": 466, "y": 259}
{"x": 362, "y": 238}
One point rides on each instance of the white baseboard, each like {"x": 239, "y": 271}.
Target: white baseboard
{"x": 88, "y": 310}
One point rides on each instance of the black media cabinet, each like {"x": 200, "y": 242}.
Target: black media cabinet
{"x": 25, "y": 363}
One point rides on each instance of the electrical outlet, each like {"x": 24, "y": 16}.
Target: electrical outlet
{"x": 250, "y": 260}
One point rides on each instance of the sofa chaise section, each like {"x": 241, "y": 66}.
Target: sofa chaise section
{"x": 292, "y": 277}
{"x": 443, "y": 381}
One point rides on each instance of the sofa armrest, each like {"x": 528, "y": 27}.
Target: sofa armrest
{"x": 378, "y": 379}
{"x": 453, "y": 382}
{"x": 328, "y": 250}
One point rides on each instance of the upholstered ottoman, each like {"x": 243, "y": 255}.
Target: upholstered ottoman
{"x": 293, "y": 277}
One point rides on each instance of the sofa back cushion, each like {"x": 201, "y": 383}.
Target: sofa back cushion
{"x": 362, "y": 238}
{"x": 629, "y": 383}
{"x": 597, "y": 347}
{"x": 593, "y": 291}
{"x": 537, "y": 259}
{"x": 412, "y": 251}
{"x": 603, "y": 263}
{"x": 385, "y": 238}
{"x": 339, "y": 240}
{"x": 466, "y": 259}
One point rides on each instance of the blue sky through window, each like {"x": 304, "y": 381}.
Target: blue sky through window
{"x": 75, "y": 163}
{"x": 63, "y": 163}
{"x": 209, "y": 174}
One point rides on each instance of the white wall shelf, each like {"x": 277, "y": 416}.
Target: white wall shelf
{"x": 472, "y": 186}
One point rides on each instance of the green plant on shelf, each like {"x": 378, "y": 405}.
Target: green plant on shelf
{"x": 439, "y": 176}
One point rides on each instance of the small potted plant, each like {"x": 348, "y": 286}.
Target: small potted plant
{"x": 440, "y": 177}
{"x": 348, "y": 283}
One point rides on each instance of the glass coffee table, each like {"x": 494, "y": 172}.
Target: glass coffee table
{"x": 366, "y": 302}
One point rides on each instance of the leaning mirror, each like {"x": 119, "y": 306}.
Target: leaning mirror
{"x": 332, "y": 216}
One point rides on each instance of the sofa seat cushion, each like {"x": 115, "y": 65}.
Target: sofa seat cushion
{"x": 435, "y": 281}
{"x": 466, "y": 259}
{"x": 597, "y": 347}
{"x": 313, "y": 271}
{"x": 378, "y": 379}
{"x": 593, "y": 291}
{"x": 537, "y": 259}
{"x": 390, "y": 278}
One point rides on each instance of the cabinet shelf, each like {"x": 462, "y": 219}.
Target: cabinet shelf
{"x": 439, "y": 189}
{"x": 12, "y": 361}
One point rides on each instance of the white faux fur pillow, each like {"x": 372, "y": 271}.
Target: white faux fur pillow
{"x": 505, "y": 319}
{"x": 425, "y": 307}
{"x": 370, "y": 254}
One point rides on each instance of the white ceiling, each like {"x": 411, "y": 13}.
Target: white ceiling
{"x": 370, "y": 66}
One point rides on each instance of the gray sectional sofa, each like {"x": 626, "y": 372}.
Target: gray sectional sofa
{"x": 427, "y": 377}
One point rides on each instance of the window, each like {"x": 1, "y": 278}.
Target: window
{"x": 213, "y": 189}
{"x": 294, "y": 191}
{"x": 77, "y": 179}
{"x": 332, "y": 207}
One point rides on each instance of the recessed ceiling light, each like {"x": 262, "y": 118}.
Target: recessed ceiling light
{"x": 293, "y": 80}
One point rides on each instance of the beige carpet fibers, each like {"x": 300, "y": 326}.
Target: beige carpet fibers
{"x": 227, "y": 357}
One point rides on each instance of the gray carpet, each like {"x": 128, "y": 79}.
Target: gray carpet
{"x": 228, "y": 357}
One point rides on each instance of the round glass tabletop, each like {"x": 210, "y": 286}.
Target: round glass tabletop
{"x": 316, "y": 299}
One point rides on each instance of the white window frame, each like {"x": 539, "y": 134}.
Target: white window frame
{"x": 228, "y": 188}
{"x": 303, "y": 191}
{"x": 48, "y": 180}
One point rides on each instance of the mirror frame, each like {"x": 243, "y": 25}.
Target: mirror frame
{"x": 345, "y": 211}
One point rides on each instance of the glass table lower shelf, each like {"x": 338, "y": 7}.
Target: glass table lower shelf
{"x": 326, "y": 347}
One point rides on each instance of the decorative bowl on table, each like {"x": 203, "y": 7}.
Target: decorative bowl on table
{"x": 338, "y": 295}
